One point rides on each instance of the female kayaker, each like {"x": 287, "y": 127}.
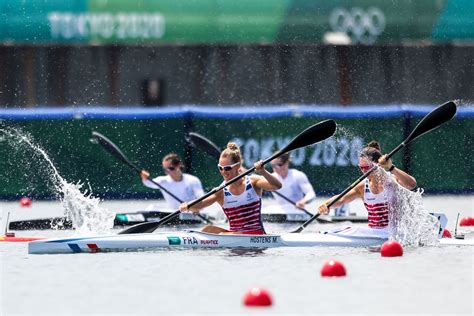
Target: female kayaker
{"x": 295, "y": 183}
{"x": 376, "y": 192}
{"x": 183, "y": 185}
{"x": 241, "y": 201}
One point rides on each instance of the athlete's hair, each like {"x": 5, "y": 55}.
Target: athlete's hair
{"x": 233, "y": 152}
{"x": 372, "y": 151}
{"x": 284, "y": 157}
{"x": 174, "y": 159}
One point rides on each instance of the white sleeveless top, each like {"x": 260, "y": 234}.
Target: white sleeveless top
{"x": 377, "y": 207}
{"x": 243, "y": 210}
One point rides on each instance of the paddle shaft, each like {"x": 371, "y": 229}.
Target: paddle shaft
{"x": 303, "y": 209}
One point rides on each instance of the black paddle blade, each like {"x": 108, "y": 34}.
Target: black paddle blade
{"x": 434, "y": 119}
{"x": 311, "y": 135}
{"x": 108, "y": 145}
{"x": 203, "y": 143}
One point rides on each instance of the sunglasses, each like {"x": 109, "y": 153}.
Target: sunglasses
{"x": 228, "y": 167}
{"x": 365, "y": 168}
{"x": 170, "y": 168}
{"x": 277, "y": 165}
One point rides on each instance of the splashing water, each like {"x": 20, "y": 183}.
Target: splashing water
{"x": 409, "y": 222}
{"x": 81, "y": 208}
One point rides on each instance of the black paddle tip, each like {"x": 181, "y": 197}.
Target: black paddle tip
{"x": 450, "y": 107}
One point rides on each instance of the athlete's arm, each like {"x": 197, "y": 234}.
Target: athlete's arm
{"x": 216, "y": 197}
{"x": 307, "y": 189}
{"x": 266, "y": 181}
{"x": 403, "y": 178}
{"x": 145, "y": 175}
{"x": 197, "y": 187}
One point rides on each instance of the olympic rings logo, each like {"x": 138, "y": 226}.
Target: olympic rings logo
{"x": 363, "y": 26}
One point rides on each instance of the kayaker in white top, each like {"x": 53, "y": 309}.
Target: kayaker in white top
{"x": 295, "y": 184}
{"x": 184, "y": 186}
{"x": 374, "y": 191}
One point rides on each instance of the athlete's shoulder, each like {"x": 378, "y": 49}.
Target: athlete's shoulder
{"x": 160, "y": 179}
{"x": 191, "y": 177}
{"x": 297, "y": 173}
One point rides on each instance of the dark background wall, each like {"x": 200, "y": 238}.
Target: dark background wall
{"x": 233, "y": 75}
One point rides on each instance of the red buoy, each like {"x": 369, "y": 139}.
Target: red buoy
{"x": 467, "y": 221}
{"x": 333, "y": 268}
{"x": 257, "y": 297}
{"x": 447, "y": 234}
{"x": 25, "y": 202}
{"x": 391, "y": 248}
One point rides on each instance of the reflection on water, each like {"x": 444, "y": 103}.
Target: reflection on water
{"x": 246, "y": 252}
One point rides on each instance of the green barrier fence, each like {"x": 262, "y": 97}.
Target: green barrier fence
{"x": 234, "y": 22}
{"x": 439, "y": 160}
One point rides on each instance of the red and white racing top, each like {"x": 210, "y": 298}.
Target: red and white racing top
{"x": 377, "y": 207}
{"x": 243, "y": 210}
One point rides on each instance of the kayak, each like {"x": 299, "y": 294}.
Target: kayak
{"x": 121, "y": 219}
{"x": 196, "y": 239}
{"x": 290, "y": 214}
{"x": 58, "y": 223}
{"x": 301, "y": 218}
{"x": 193, "y": 239}
{"x": 128, "y": 219}
{"x": 18, "y": 239}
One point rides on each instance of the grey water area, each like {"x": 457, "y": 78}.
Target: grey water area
{"x": 424, "y": 281}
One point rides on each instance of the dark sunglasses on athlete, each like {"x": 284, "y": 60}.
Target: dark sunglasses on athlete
{"x": 228, "y": 167}
{"x": 277, "y": 165}
{"x": 170, "y": 168}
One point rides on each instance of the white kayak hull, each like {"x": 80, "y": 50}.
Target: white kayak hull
{"x": 194, "y": 239}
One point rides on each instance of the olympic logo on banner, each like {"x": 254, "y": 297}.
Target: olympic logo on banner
{"x": 363, "y": 26}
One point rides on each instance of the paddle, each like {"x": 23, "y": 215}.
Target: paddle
{"x": 117, "y": 153}
{"x": 211, "y": 149}
{"x": 311, "y": 135}
{"x": 431, "y": 121}
{"x": 203, "y": 143}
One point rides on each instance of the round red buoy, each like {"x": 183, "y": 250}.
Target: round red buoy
{"x": 257, "y": 297}
{"x": 333, "y": 268}
{"x": 25, "y": 201}
{"x": 467, "y": 221}
{"x": 447, "y": 234}
{"x": 391, "y": 248}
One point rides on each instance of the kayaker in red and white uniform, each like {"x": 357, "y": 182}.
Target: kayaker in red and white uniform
{"x": 183, "y": 185}
{"x": 241, "y": 200}
{"x": 374, "y": 191}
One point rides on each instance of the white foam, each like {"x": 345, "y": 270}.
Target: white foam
{"x": 81, "y": 207}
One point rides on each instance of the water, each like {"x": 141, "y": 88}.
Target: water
{"x": 426, "y": 280}
{"x": 78, "y": 204}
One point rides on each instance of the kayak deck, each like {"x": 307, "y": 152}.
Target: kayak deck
{"x": 194, "y": 239}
